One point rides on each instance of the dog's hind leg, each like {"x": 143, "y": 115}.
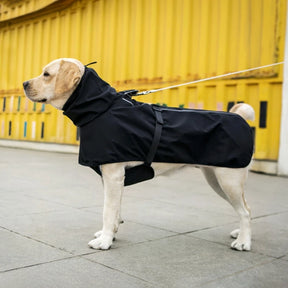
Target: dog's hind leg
{"x": 232, "y": 182}
{"x": 212, "y": 181}
{"x": 113, "y": 181}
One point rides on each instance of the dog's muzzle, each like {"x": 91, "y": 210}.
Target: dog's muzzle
{"x": 25, "y": 84}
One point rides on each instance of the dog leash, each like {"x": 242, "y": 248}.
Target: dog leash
{"x": 132, "y": 92}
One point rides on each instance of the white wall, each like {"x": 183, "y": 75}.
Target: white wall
{"x": 283, "y": 149}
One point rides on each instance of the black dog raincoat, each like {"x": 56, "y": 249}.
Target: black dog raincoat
{"x": 115, "y": 128}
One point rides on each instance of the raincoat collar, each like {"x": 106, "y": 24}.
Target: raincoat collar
{"x": 92, "y": 97}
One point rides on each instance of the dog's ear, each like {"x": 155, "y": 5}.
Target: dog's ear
{"x": 68, "y": 77}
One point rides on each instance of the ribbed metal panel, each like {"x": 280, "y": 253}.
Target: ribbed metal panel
{"x": 145, "y": 44}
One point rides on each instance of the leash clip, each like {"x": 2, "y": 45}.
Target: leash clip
{"x": 129, "y": 93}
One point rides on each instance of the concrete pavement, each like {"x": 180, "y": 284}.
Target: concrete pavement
{"x": 176, "y": 230}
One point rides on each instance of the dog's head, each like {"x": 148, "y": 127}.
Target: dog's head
{"x": 56, "y": 83}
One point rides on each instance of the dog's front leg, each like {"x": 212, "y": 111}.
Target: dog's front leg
{"x": 113, "y": 181}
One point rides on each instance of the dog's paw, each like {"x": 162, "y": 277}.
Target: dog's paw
{"x": 101, "y": 243}
{"x": 241, "y": 244}
{"x": 235, "y": 233}
{"x": 98, "y": 234}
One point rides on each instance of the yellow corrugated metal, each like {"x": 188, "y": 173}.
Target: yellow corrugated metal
{"x": 145, "y": 44}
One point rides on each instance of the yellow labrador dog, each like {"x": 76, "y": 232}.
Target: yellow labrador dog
{"x": 57, "y": 83}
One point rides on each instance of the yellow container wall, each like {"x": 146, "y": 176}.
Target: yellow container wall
{"x": 145, "y": 44}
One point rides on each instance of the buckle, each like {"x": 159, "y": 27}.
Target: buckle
{"x": 158, "y": 114}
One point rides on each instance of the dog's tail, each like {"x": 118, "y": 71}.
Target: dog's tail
{"x": 244, "y": 110}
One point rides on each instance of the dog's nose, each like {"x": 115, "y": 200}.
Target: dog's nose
{"x": 25, "y": 84}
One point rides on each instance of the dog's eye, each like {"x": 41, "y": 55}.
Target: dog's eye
{"x": 46, "y": 74}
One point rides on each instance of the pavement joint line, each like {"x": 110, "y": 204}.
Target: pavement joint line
{"x": 36, "y": 264}
{"x": 88, "y": 207}
{"x": 51, "y": 201}
{"x": 251, "y": 251}
{"x": 91, "y": 212}
{"x": 58, "y": 203}
{"x": 53, "y": 261}
{"x": 183, "y": 205}
{"x": 36, "y": 240}
{"x": 37, "y": 213}
{"x": 209, "y": 228}
{"x": 117, "y": 270}
{"x": 150, "y": 226}
{"x": 268, "y": 215}
{"x": 182, "y": 233}
{"x": 280, "y": 257}
{"x": 207, "y": 240}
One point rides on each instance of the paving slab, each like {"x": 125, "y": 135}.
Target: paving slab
{"x": 70, "y": 273}
{"x": 178, "y": 261}
{"x": 18, "y": 251}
